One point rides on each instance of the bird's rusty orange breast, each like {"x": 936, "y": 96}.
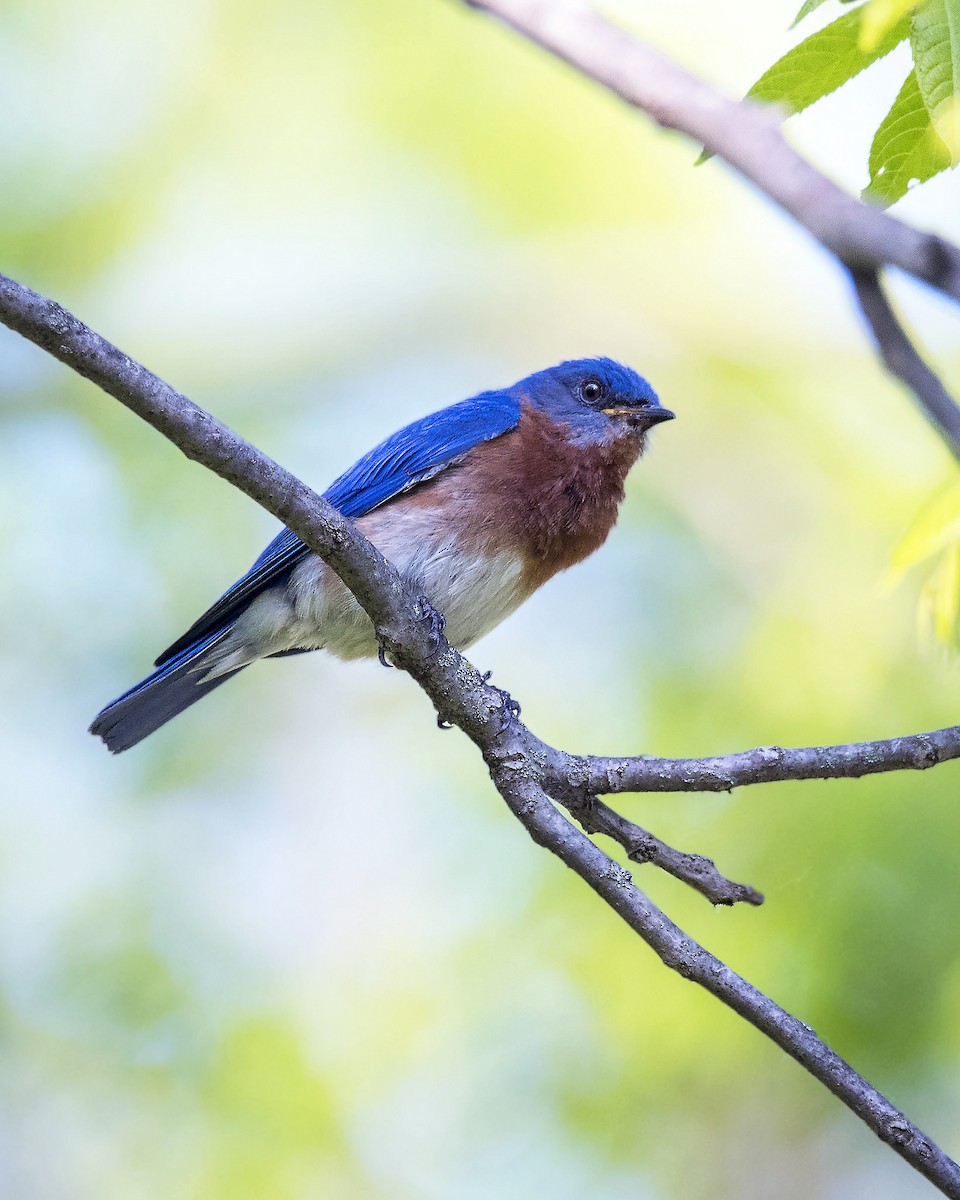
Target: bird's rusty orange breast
{"x": 535, "y": 491}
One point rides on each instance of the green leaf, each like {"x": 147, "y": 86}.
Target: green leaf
{"x": 939, "y": 606}
{"x": 935, "y": 528}
{"x": 808, "y": 7}
{"x": 935, "y": 41}
{"x": 906, "y": 148}
{"x": 934, "y": 534}
{"x": 821, "y": 63}
{"x": 879, "y": 16}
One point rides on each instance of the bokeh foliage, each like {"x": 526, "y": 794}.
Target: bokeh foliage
{"x": 293, "y": 946}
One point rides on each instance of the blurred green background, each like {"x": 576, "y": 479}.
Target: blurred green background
{"x": 294, "y": 946}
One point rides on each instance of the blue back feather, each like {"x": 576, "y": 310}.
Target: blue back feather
{"x": 407, "y": 458}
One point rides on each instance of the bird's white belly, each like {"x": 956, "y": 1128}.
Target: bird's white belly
{"x": 473, "y": 591}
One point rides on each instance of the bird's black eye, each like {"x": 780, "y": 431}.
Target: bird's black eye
{"x": 591, "y": 391}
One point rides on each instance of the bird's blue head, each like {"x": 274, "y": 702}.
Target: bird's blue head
{"x": 599, "y": 399}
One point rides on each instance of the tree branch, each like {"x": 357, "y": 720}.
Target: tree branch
{"x": 642, "y": 846}
{"x": 747, "y": 136}
{"x": 590, "y": 774}
{"x": 743, "y": 134}
{"x": 691, "y": 960}
{"x": 902, "y": 359}
{"x": 516, "y": 759}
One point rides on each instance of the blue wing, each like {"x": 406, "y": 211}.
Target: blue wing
{"x": 407, "y": 458}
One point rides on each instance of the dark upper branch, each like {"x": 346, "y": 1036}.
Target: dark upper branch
{"x": 745, "y": 135}
{"x": 766, "y": 764}
{"x": 748, "y": 137}
{"x": 902, "y": 359}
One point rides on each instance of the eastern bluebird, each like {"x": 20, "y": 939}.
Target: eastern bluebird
{"x": 476, "y": 505}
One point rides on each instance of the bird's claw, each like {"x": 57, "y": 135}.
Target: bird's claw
{"x": 509, "y": 707}
{"x": 435, "y": 620}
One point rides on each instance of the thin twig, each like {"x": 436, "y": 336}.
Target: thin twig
{"x": 642, "y": 846}
{"x": 516, "y": 759}
{"x": 902, "y": 359}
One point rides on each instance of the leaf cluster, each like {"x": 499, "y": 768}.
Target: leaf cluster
{"x": 920, "y": 136}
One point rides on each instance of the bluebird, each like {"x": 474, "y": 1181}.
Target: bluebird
{"x": 476, "y": 505}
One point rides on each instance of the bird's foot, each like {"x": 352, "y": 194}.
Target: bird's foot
{"x": 510, "y": 707}
{"x": 435, "y": 621}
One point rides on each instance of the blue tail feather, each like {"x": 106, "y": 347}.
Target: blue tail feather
{"x": 158, "y": 698}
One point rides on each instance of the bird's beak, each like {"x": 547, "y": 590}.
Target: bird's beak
{"x": 646, "y": 416}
